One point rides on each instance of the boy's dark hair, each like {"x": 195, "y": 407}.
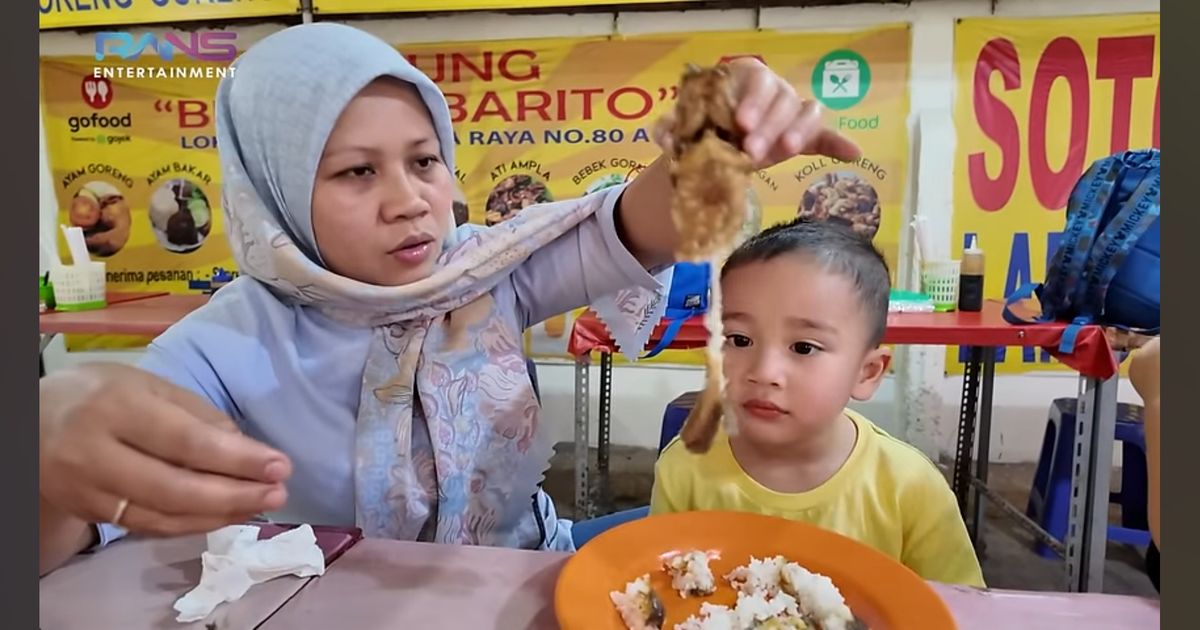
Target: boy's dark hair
{"x": 836, "y": 247}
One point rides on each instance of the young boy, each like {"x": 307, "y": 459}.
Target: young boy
{"x": 805, "y": 306}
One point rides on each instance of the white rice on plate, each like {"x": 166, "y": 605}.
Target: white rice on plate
{"x": 637, "y": 605}
{"x": 773, "y": 594}
{"x": 751, "y": 611}
{"x": 690, "y": 574}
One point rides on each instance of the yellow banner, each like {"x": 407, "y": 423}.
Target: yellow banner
{"x": 535, "y": 120}
{"x": 134, "y": 163}
{"x": 411, "y": 6}
{"x": 82, "y": 13}
{"x": 1038, "y": 101}
{"x": 556, "y": 118}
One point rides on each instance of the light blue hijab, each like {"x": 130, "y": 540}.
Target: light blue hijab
{"x": 274, "y": 115}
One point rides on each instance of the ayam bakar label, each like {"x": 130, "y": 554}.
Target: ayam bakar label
{"x": 179, "y": 168}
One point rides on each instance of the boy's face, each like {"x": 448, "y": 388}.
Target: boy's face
{"x": 798, "y": 348}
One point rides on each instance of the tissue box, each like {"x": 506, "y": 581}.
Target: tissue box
{"x": 79, "y": 287}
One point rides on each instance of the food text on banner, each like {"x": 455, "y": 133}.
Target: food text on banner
{"x": 1039, "y": 100}
{"x": 83, "y": 13}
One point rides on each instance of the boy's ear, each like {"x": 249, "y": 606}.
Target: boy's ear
{"x": 870, "y": 375}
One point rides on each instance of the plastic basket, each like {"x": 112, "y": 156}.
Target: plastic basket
{"x": 939, "y": 280}
{"x": 80, "y": 287}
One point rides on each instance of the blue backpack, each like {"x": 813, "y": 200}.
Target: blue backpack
{"x": 1106, "y": 269}
{"x": 687, "y": 298}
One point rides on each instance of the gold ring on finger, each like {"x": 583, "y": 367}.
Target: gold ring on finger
{"x": 116, "y": 519}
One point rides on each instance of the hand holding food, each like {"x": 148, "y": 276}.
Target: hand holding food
{"x": 710, "y": 176}
{"x": 119, "y": 444}
{"x": 775, "y": 123}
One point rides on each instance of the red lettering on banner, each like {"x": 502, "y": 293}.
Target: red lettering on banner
{"x": 997, "y": 122}
{"x": 647, "y": 103}
{"x": 1063, "y": 58}
{"x": 458, "y": 107}
{"x": 491, "y": 99}
{"x": 532, "y": 73}
{"x": 1124, "y": 59}
{"x": 524, "y": 107}
{"x": 587, "y": 94}
{"x": 481, "y": 66}
{"x": 193, "y": 113}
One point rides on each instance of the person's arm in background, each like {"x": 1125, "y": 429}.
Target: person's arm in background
{"x": 1144, "y": 372}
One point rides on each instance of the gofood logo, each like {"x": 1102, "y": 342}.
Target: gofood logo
{"x": 99, "y": 121}
{"x": 200, "y": 45}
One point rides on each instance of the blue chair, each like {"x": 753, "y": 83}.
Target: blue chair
{"x": 1050, "y": 495}
{"x": 583, "y": 531}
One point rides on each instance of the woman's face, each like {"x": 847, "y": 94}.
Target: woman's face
{"x": 381, "y": 199}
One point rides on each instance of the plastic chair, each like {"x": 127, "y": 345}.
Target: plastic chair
{"x": 673, "y": 417}
{"x": 583, "y": 531}
{"x": 1050, "y": 494}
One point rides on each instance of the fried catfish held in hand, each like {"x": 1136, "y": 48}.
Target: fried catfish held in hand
{"x": 710, "y": 176}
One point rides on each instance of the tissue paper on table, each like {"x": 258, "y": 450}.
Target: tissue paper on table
{"x": 236, "y": 560}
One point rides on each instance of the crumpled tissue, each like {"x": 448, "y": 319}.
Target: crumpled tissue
{"x": 236, "y": 560}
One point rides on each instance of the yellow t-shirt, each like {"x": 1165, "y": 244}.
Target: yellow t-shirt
{"x": 887, "y": 495}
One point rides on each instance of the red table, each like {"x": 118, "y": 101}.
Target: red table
{"x": 1092, "y": 355}
{"x": 127, "y": 313}
{"x": 982, "y": 332}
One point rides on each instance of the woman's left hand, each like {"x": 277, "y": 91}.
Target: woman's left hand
{"x": 779, "y": 124}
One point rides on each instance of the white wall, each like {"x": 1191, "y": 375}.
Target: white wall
{"x": 642, "y": 392}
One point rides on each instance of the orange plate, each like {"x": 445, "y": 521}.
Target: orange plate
{"x": 882, "y": 592}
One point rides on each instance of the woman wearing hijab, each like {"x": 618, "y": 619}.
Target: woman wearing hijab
{"x": 367, "y": 367}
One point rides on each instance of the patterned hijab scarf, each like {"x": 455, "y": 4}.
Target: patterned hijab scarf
{"x": 467, "y": 380}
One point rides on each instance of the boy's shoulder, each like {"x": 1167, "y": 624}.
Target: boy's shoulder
{"x": 902, "y": 462}
{"x": 676, "y": 460}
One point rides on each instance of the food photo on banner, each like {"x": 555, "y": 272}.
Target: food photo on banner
{"x": 538, "y": 120}
{"x": 132, "y": 152}
{"x": 1037, "y": 102}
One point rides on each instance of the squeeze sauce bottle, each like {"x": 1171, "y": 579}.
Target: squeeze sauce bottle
{"x": 970, "y": 282}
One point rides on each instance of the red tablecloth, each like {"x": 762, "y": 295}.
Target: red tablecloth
{"x": 1093, "y": 356}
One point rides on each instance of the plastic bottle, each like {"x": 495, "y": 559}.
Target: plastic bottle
{"x": 970, "y": 281}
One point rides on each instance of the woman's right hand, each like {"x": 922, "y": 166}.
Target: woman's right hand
{"x": 111, "y": 432}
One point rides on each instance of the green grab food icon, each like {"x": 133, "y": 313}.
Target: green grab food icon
{"x": 841, "y": 79}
